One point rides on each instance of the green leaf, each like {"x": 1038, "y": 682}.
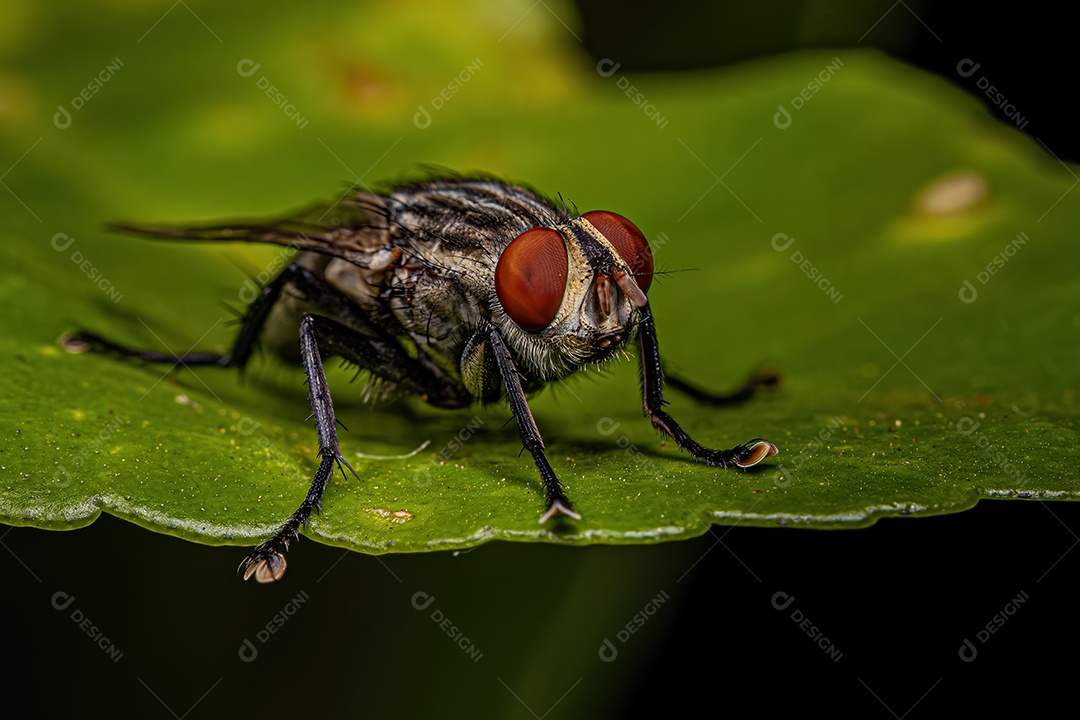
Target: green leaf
{"x": 832, "y": 243}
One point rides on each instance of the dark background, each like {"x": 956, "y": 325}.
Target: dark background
{"x": 1026, "y": 50}
{"x": 897, "y": 599}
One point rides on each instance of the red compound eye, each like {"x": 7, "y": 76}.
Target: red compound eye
{"x": 629, "y": 241}
{"x": 530, "y": 278}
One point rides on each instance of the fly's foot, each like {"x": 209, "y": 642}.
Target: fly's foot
{"x": 266, "y": 564}
{"x": 559, "y": 505}
{"x": 76, "y": 343}
{"x": 751, "y": 453}
{"x": 746, "y": 455}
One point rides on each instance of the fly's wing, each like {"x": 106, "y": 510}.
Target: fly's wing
{"x": 348, "y": 228}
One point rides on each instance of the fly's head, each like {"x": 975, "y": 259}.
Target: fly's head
{"x": 571, "y": 294}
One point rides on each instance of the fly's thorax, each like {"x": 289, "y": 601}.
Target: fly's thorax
{"x": 599, "y": 304}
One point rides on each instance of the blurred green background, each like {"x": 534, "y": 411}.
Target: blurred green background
{"x": 895, "y": 186}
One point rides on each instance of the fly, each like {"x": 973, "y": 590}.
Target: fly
{"x": 457, "y": 289}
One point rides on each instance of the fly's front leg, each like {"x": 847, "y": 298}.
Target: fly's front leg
{"x": 557, "y": 502}
{"x": 267, "y": 562}
{"x": 652, "y": 388}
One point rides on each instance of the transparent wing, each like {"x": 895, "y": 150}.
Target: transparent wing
{"x": 347, "y": 228}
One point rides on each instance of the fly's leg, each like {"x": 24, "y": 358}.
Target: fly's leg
{"x": 740, "y": 395}
{"x": 557, "y": 502}
{"x": 320, "y": 338}
{"x": 267, "y": 562}
{"x": 652, "y": 389}
{"x": 83, "y": 341}
{"x": 356, "y": 340}
{"x": 380, "y": 352}
{"x": 246, "y": 340}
